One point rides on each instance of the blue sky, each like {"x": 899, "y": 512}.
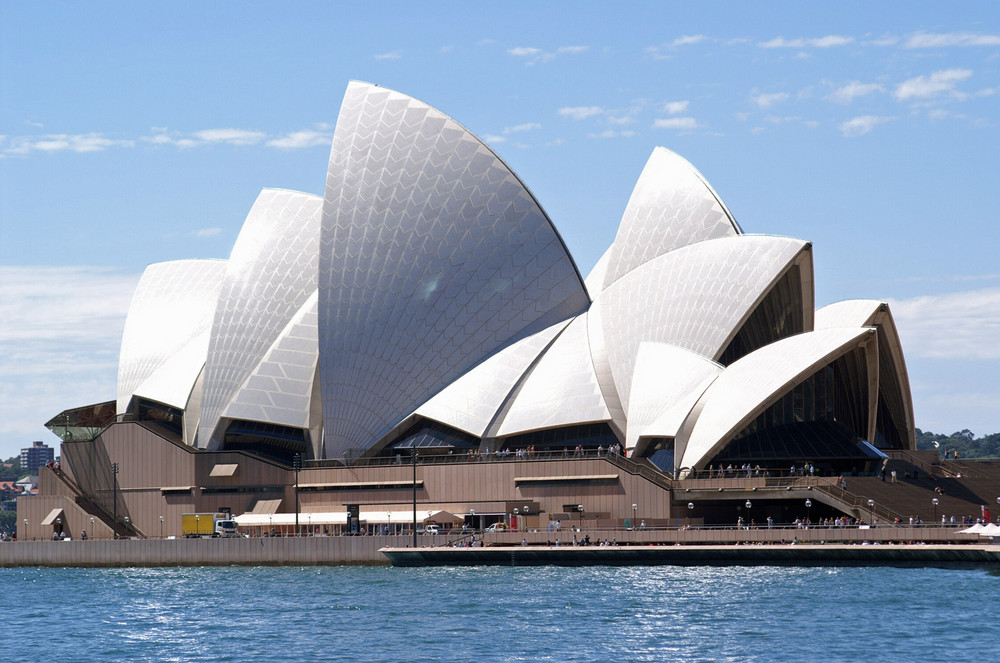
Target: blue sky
{"x": 132, "y": 135}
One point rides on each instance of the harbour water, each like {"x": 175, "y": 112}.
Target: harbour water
{"x": 481, "y": 614}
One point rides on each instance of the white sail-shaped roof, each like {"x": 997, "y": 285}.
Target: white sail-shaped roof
{"x": 434, "y": 257}
{"x": 875, "y": 313}
{"x": 270, "y": 275}
{"x": 279, "y": 388}
{"x": 671, "y": 206}
{"x": 752, "y": 383}
{"x": 561, "y": 390}
{"x": 166, "y": 332}
{"x": 472, "y": 402}
{"x": 666, "y": 384}
{"x": 696, "y": 298}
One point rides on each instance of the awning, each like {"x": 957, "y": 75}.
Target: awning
{"x": 176, "y": 489}
{"x": 358, "y": 485}
{"x": 340, "y": 518}
{"x": 53, "y": 514}
{"x": 266, "y": 506}
{"x": 566, "y": 479}
{"x": 224, "y": 470}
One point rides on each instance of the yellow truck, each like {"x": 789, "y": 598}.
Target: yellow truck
{"x": 194, "y": 525}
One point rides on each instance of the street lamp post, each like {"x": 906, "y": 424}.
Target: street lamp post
{"x": 809, "y": 504}
{"x": 690, "y": 510}
{"x": 516, "y": 520}
{"x": 114, "y": 498}
{"x": 92, "y": 530}
{"x": 871, "y": 512}
{"x": 935, "y": 503}
{"x": 524, "y": 512}
{"x": 26, "y": 528}
{"x": 748, "y": 505}
{"x": 161, "y": 526}
{"x": 579, "y": 508}
{"x": 59, "y": 525}
{"x": 634, "y": 507}
{"x": 472, "y": 512}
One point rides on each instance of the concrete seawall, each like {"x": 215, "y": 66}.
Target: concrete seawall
{"x": 666, "y": 546}
{"x": 949, "y": 556}
{"x": 307, "y": 551}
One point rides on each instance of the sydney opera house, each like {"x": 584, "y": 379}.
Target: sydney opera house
{"x": 426, "y": 306}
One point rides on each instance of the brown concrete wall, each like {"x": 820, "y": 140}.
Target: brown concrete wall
{"x": 309, "y": 551}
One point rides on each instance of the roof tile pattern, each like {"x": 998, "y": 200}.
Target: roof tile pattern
{"x": 166, "y": 331}
{"x": 695, "y": 298}
{"x": 671, "y": 206}
{"x": 433, "y": 257}
{"x": 561, "y": 390}
{"x": 271, "y": 273}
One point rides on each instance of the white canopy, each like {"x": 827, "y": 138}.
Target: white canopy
{"x": 338, "y": 518}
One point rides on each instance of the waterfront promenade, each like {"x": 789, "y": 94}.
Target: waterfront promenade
{"x": 366, "y": 550}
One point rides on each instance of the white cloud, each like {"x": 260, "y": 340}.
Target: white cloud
{"x": 861, "y": 125}
{"x": 230, "y": 136}
{"x": 611, "y": 133}
{"x": 92, "y": 142}
{"x": 934, "y": 85}
{"x": 527, "y": 126}
{"x": 391, "y": 55}
{"x": 302, "y": 139}
{"x": 961, "y": 325}
{"x": 621, "y": 119}
{"x": 664, "y": 51}
{"x": 817, "y": 42}
{"x": 580, "y": 112}
{"x": 493, "y": 139}
{"x": 206, "y": 232}
{"x": 679, "y": 123}
{"x": 60, "y": 332}
{"x": 535, "y": 55}
{"x": 939, "y": 40}
{"x": 675, "y": 107}
{"x": 770, "y": 99}
{"x": 687, "y": 40}
{"x": 524, "y": 51}
{"x": 848, "y": 93}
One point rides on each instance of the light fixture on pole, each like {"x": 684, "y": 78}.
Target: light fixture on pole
{"x": 59, "y": 525}
{"x": 634, "y": 507}
{"x": 871, "y": 511}
{"x": 579, "y": 508}
{"x": 92, "y": 531}
{"x": 748, "y": 505}
{"x": 809, "y": 504}
{"x": 524, "y": 512}
{"x": 161, "y": 526}
{"x": 935, "y": 503}
{"x": 25, "y": 528}
{"x": 515, "y": 521}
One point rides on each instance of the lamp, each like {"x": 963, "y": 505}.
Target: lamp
{"x": 809, "y": 504}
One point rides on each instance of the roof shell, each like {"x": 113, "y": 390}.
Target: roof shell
{"x": 666, "y": 384}
{"x": 434, "y": 257}
{"x": 472, "y": 402}
{"x": 271, "y": 273}
{"x": 166, "y": 332}
{"x": 695, "y": 298}
{"x": 671, "y": 206}
{"x": 752, "y": 383}
{"x": 561, "y": 390}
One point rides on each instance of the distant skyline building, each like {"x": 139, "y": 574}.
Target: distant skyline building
{"x": 35, "y": 456}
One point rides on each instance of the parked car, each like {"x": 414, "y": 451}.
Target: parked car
{"x": 496, "y": 527}
{"x": 432, "y": 529}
